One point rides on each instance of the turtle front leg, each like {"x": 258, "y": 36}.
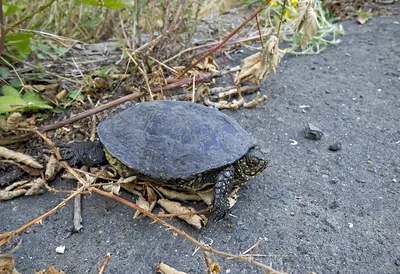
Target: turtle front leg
{"x": 222, "y": 189}
{"x": 83, "y": 153}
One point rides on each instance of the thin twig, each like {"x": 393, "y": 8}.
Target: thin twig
{"x": 164, "y": 65}
{"x": 77, "y": 213}
{"x": 94, "y": 175}
{"x": 225, "y": 40}
{"x": 238, "y": 41}
{"x": 105, "y": 262}
{"x": 259, "y": 31}
{"x": 281, "y": 19}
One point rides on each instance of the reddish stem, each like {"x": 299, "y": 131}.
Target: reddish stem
{"x": 226, "y": 39}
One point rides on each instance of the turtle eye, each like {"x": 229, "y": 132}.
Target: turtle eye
{"x": 251, "y": 161}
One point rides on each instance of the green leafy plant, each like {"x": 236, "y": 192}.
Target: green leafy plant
{"x": 327, "y": 34}
{"x": 18, "y": 44}
{"x": 112, "y": 4}
{"x": 15, "y": 43}
{"x": 12, "y": 101}
{"x": 43, "y": 50}
{"x": 11, "y": 8}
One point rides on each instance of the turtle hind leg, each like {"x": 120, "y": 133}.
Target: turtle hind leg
{"x": 222, "y": 189}
{"x": 83, "y": 153}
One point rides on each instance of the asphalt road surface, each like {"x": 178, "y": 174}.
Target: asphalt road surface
{"x": 313, "y": 209}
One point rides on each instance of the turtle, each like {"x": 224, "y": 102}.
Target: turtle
{"x": 175, "y": 144}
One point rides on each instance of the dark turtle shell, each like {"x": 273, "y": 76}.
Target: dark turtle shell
{"x": 168, "y": 140}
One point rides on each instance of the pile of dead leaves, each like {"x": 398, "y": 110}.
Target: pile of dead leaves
{"x": 150, "y": 195}
{"x": 29, "y": 165}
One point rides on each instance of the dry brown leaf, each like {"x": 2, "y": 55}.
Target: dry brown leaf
{"x": 11, "y": 123}
{"x": 130, "y": 185}
{"x": 49, "y": 87}
{"x": 178, "y": 195}
{"x": 201, "y": 89}
{"x": 7, "y": 265}
{"x": 274, "y": 55}
{"x": 142, "y": 203}
{"x": 125, "y": 183}
{"x": 306, "y": 19}
{"x": 253, "y": 69}
{"x": 11, "y": 194}
{"x": 31, "y": 121}
{"x": 52, "y": 167}
{"x": 256, "y": 101}
{"x": 166, "y": 269}
{"x": 13, "y": 120}
{"x": 17, "y": 184}
{"x": 298, "y": 22}
{"x": 67, "y": 175}
{"x": 59, "y": 96}
{"x": 103, "y": 172}
{"x": 113, "y": 188}
{"x": 362, "y": 17}
{"x": 50, "y": 270}
{"x": 209, "y": 65}
{"x": 151, "y": 197}
{"x": 310, "y": 26}
{"x": 212, "y": 266}
{"x": 362, "y": 20}
{"x": 131, "y": 179}
{"x": 36, "y": 187}
{"x": 208, "y": 196}
{"x": 19, "y": 157}
{"x": 26, "y": 187}
{"x": 147, "y": 202}
{"x": 198, "y": 221}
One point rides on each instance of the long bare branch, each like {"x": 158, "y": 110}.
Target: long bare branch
{"x": 226, "y": 39}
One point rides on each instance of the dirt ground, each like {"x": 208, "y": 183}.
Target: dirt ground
{"x": 313, "y": 210}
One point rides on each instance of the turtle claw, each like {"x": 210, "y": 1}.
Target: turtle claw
{"x": 222, "y": 189}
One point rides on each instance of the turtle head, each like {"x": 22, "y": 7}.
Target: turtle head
{"x": 249, "y": 166}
